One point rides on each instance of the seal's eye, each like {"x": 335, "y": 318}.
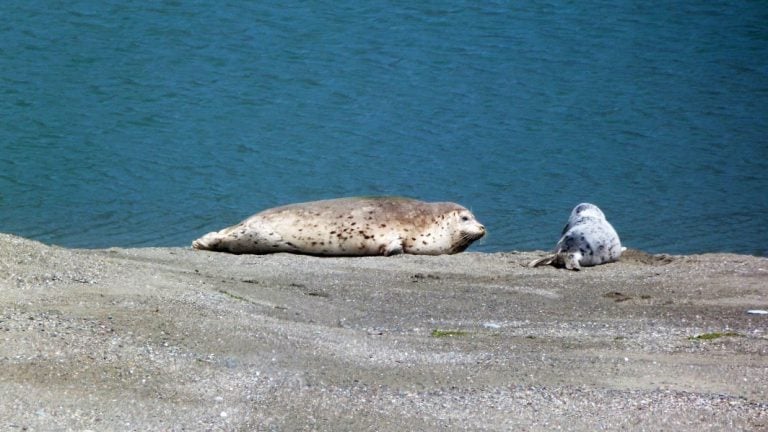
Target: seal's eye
{"x": 465, "y": 218}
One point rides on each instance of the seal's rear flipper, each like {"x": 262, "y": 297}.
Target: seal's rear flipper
{"x": 547, "y": 260}
{"x": 559, "y": 259}
{"x": 206, "y": 242}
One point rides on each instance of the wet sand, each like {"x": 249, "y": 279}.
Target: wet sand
{"x": 176, "y": 339}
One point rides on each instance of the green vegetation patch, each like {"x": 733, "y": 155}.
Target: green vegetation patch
{"x": 235, "y": 296}
{"x": 715, "y": 335}
{"x": 447, "y": 333}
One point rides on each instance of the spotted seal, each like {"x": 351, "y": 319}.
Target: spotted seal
{"x": 351, "y": 227}
{"x": 587, "y": 240}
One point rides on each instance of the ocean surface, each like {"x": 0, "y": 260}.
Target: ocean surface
{"x": 150, "y": 123}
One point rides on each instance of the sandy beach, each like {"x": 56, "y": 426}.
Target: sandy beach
{"x": 176, "y": 339}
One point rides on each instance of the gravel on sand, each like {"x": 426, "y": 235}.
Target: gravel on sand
{"x": 176, "y": 339}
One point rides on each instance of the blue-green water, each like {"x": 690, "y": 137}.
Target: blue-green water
{"x": 135, "y": 123}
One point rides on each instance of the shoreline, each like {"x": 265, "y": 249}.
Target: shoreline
{"x": 171, "y": 338}
{"x": 474, "y": 249}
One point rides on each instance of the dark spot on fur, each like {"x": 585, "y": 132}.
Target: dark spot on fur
{"x": 383, "y": 225}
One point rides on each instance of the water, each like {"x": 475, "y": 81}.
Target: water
{"x": 132, "y": 123}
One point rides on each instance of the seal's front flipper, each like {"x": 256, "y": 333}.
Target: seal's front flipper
{"x": 394, "y": 247}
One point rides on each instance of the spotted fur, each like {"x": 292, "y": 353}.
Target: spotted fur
{"x": 587, "y": 240}
{"x": 351, "y": 227}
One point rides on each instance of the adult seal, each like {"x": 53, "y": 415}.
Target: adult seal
{"x": 351, "y": 227}
{"x": 587, "y": 240}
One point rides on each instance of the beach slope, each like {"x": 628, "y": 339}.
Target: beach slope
{"x": 176, "y": 339}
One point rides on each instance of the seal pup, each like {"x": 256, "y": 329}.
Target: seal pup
{"x": 351, "y": 227}
{"x": 587, "y": 240}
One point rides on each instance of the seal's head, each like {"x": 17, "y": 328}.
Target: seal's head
{"x": 466, "y": 229}
{"x": 440, "y": 228}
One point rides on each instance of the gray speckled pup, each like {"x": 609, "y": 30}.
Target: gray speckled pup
{"x": 588, "y": 239}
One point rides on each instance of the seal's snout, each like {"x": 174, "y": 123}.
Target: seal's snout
{"x": 477, "y": 232}
{"x": 480, "y": 230}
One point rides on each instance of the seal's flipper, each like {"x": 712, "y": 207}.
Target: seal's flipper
{"x": 206, "y": 242}
{"x": 546, "y": 260}
{"x": 394, "y": 247}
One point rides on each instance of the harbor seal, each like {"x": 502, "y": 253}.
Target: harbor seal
{"x": 351, "y": 227}
{"x": 587, "y": 240}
